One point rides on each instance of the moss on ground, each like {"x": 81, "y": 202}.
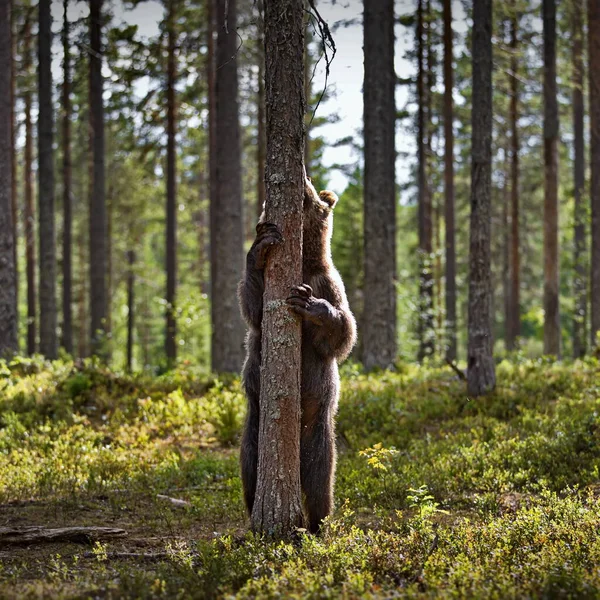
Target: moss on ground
{"x": 438, "y": 494}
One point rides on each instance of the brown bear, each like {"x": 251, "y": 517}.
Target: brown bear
{"x": 328, "y": 335}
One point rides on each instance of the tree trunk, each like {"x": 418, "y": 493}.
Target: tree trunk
{"x": 481, "y": 375}
{"x": 171, "y": 241}
{"x": 8, "y": 291}
{"x": 579, "y": 250}
{"x": 514, "y": 311}
{"x": 47, "y": 295}
{"x": 307, "y": 96}
{"x": 261, "y": 142}
{"x": 14, "y": 154}
{"x": 29, "y": 225}
{"x": 98, "y": 196}
{"x": 130, "y": 308}
{"x": 227, "y": 228}
{"x": 212, "y": 141}
{"x": 379, "y": 321}
{"x": 449, "y": 185}
{"x": 277, "y": 506}
{"x": 551, "y": 305}
{"x": 594, "y": 67}
{"x": 506, "y": 250}
{"x": 67, "y": 269}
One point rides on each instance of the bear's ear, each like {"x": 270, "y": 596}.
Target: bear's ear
{"x": 329, "y": 197}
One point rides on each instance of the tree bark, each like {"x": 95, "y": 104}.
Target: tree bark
{"x": 481, "y": 376}
{"x": 97, "y": 244}
{"x": 227, "y": 225}
{"x": 594, "y": 68}
{"x": 212, "y": 142}
{"x": 47, "y": 275}
{"x": 449, "y": 185}
{"x": 261, "y": 142}
{"x": 579, "y": 234}
{"x": 8, "y": 290}
{"x": 171, "y": 209}
{"x": 379, "y": 321}
{"x": 551, "y": 304}
{"x": 67, "y": 268}
{"x": 29, "y": 224}
{"x": 14, "y": 154}
{"x": 277, "y": 507}
{"x": 514, "y": 311}
{"x": 130, "y": 308}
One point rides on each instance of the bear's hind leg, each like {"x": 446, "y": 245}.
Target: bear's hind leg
{"x": 317, "y": 470}
{"x": 249, "y": 453}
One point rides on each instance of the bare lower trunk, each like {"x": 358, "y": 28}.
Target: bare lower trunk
{"x": 594, "y": 67}
{"x": 449, "y": 185}
{"x": 277, "y": 507}
{"x": 481, "y": 372}
{"x": 551, "y": 305}
{"x": 14, "y": 155}
{"x": 514, "y": 322}
{"x": 97, "y": 243}
{"x": 67, "y": 270}
{"x": 130, "y": 307}
{"x": 379, "y": 320}
{"x": 261, "y": 142}
{"x": 171, "y": 241}
{"x": 226, "y": 210}
{"x": 29, "y": 224}
{"x": 8, "y": 290}
{"x": 47, "y": 276}
{"x": 579, "y": 234}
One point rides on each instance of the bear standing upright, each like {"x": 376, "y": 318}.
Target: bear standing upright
{"x": 328, "y": 335}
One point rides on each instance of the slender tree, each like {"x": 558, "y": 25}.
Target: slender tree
{"x": 514, "y": 316}
{"x": 226, "y": 220}
{"x": 480, "y": 361}
{"x": 449, "y": 184}
{"x": 8, "y": 290}
{"x": 261, "y": 142}
{"x": 579, "y": 235}
{"x": 212, "y": 137}
{"x": 29, "y": 224}
{"x": 97, "y": 240}
{"x": 67, "y": 269}
{"x": 594, "y": 75}
{"x": 379, "y": 322}
{"x": 14, "y": 155}
{"x": 47, "y": 244}
{"x": 551, "y": 305}
{"x": 130, "y": 307}
{"x": 171, "y": 241}
{"x": 277, "y": 507}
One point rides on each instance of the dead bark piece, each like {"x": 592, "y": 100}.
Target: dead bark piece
{"x": 148, "y": 556}
{"x": 174, "y": 501}
{"x": 19, "y": 536}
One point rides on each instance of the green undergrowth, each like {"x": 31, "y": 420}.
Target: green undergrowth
{"x": 438, "y": 494}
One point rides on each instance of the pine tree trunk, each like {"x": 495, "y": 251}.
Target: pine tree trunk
{"x": 29, "y": 224}
{"x": 97, "y": 240}
{"x": 579, "y": 235}
{"x": 551, "y": 305}
{"x": 171, "y": 241}
{"x": 212, "y": 140}
{"x": 8, "y": 290}
{"x": 67, "y": 269}
{"x": 481, "y": 373}
{"x": 449, "y": 185}
{"x": 514, "y": 311}
{"x": 379, "y": 321}
{"x": 594, "y": 68}
{"x": 277, "y": 506}
{"x": 130, "y": 308}
{"x": 14, "y": 155}
{"x": 226, "y": 222}
{"x": 506, "y": 253}
{"x": 47, "y": 274}
{"x": 261, "y": 142}
{"x": 307, "y": 96}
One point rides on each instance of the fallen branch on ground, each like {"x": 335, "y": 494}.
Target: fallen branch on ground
{"x": 19, "y": 536}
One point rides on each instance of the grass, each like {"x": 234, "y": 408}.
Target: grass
{"x": 438, "y": 494}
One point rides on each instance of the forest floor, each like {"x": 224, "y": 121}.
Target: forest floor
{"x": 438, "y": 495}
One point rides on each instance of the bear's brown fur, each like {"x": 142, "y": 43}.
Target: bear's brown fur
{"x": 328, "y": 334}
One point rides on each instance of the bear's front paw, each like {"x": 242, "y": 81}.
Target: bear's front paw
{"x": 267, "y": 236}
{"x": 303, "y": 303}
